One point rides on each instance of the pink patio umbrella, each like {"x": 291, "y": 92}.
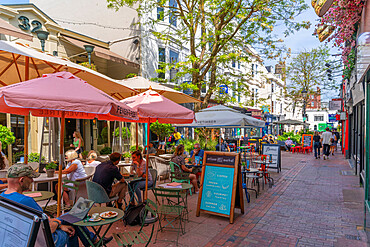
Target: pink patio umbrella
{"x": 151, "y": 106}
{"x": 62, "y": 95}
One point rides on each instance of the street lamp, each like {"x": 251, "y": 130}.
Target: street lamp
{"x": 304, "y": 94}
{"x": 42, "y": 36}
{"x": 89, "y": 49}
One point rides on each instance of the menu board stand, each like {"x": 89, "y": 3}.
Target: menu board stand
{"x": 221, "y": 185}
{"x": 275, "y": 152}
{"x": 307, "y": 140}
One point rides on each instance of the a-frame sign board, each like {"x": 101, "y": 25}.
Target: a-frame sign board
{"x": 221, "y": 185}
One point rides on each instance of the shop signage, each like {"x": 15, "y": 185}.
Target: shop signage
{"x": 332, "y": 118}
{"x": 335, "y": 104}
{"x": 275, "y": 152}
{"x": 221, "y": 191}
{"x": 307, "y": 140}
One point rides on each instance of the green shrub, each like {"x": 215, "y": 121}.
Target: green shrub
{"x": 106, "y": 150}
{"x": 133, "y": 148}
{"x": 84, "y": 154}
{"x": 35, "y": 157}
{"x": 295, "y": 138}
{"x": 162, "y": 130}
{"x": 17, "y": 156}
{"x": 126, "y": 155}
{"x": 116, "y": 133}
{"x": 51, "y": 165}
{"x": 6, "y": 136}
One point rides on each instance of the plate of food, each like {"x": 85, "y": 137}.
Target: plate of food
{"x": 95, "y": 220}
{"x": 126, "y": 175}
{"x": 108, "y": 214}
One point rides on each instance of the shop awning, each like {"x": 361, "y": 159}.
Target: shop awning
{"x": 290, "y": 122}
{"x": 8, "y": 29}
{"x": 103, "y": 53}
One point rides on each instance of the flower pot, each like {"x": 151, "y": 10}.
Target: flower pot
{"x": 50, "y": 173}
{"x": 127, "y": 160}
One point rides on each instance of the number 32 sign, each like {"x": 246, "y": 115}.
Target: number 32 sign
{"x": 25, "y": 24}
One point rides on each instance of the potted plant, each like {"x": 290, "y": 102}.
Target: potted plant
{"x": 50, "y": 169}
{"x": 127, "y": 156}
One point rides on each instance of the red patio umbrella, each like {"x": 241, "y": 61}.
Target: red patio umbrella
{"x": 151, "y": 106}
{"x": 62, "y": 95}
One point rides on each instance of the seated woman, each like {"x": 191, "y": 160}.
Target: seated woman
{"x": 179, "y": 159}
{"x": 91, "y": 159}
{"x": 138, "y": 166}
{"x": 74, "y": 171}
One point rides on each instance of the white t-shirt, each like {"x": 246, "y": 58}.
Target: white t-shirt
{"x": 95, "y": 163}
{"x": 78, "y": 173}
{"x": 326, "y": 136}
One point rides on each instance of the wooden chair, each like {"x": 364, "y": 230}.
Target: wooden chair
{"x": 130, "y": 238}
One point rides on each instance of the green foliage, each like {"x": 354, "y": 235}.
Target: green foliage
{"x": 227, "y": 31}
{"x": 189, "y": 144}
{"x": 6, "y": 136}
{"x": 17, "y": 156}
{"x": 51, "y": 165}
{"x": 350, "y": 65}
{"x": 90, "y": 66}
{"x": 133, "y": 148}
{"x": 84, "y": 154}
{"x": 162, "y": 130}
{"x": 126, "y": 155}
{"x": 106, "y": 150}
{"x": 295, "y": 138}
{"x": 104, "y": 134}
{"x": 35, "y": 157}
{"x": 124, "y": 129}
{"x": 131, "y": 75}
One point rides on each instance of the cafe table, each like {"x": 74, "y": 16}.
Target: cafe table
{"x": 45, "y": 195}
{"x": 43, "y": 178}
{"x": 183, "y": 188}
{"x": 98, "y": 225}
{"x": 166, "y": 156}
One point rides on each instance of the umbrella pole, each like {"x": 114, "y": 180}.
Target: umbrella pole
{"x": 61, "y": 160}
{"x": 219, "y": 141}
{"x": 147, "y": 161}
{"x": 137, "y": 136}
{"x": 25, "y": 151}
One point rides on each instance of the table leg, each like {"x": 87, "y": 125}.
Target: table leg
{"x": 88, "y": 237}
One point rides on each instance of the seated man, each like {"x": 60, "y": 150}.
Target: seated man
{"x": 20, "y": 177}
{"x": 224, "y": 146}
{"x": 105, "y": 174}
{"x": 288, "y": 144}
{"x": 197, "y": 152}
{"x": 152, "y": 150}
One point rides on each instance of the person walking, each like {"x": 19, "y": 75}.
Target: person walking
{"x": 78, "y": 143}
{"x": 317, "y": 145}
{"x": 325, "y": 140}
{"x": 333, "y": 143}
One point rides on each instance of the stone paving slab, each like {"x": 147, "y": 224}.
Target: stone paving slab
{"x": 311, "y": 204}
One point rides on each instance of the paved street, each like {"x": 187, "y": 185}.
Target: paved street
{"x": 313, "y": 203}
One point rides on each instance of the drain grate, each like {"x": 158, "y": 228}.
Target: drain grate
{"x": 348, "y": 173}
{"x": 352, "y": 237}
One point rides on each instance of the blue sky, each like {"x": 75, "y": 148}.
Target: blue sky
{"x": 13, "y": 1}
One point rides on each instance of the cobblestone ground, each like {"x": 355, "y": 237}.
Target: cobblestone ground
{"x": 313, "y": 203}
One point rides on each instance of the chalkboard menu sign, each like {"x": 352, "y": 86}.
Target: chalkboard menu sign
{"x": 307, "y": 140}
{"x": 220, "y": 160}
{"x": 221, "y": 190}
{"x": 275, "y": 152}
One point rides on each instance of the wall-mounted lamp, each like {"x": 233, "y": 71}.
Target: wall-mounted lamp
{"x": 42, "y": 36}
{"x": 136, "y": 42}
{"x": 89, "y": 49}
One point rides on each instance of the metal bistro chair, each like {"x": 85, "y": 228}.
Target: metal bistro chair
{"x": 130, "y": 238}
{"x": 52, "y": 209}
{"x": 97, "y": 193}
{"x": 170, "y": 213}
{"x": 153, "y": 172}
{"x": 178, "y": 176}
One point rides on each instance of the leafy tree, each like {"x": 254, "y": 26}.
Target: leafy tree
{"x": 216, "y": 33}
{"x": 307, "y": 71}
{"x": 6, "y": 136}
{"x": 125, "y": 133}
{"x": 161, "y": 130}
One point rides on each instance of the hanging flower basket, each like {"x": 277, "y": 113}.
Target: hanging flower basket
{"x": 321, "y": 6}
{"x": 324, "y": 31}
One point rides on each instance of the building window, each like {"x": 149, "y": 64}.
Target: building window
{"x": 160, "y": 13}
{"x": 252, "y": 69}
{"x": 272, "y": 87}
{"x": 173, "y": 17}
{"x": 312, "y": 104}
{"x": 174, "y": 58}
{"x": 233, "y": 64}
{"x": 161, "y": 59}
{"x": 238, "y": 64}
{"x": 318, "y": 118}
{"x": 281, "y": 108}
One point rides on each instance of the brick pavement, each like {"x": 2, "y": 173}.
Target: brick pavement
{"x": 311, "y": 204}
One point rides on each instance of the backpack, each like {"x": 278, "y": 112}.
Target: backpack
{"x": 134, "y": 215}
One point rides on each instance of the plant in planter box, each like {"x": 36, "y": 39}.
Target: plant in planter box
{"x": 84, "y": 154}
{"x": 133, "y": 148}
{"x": 35, "y": 157}
{"x": 50, "y": 169}
{"x": 106, "y": 150}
